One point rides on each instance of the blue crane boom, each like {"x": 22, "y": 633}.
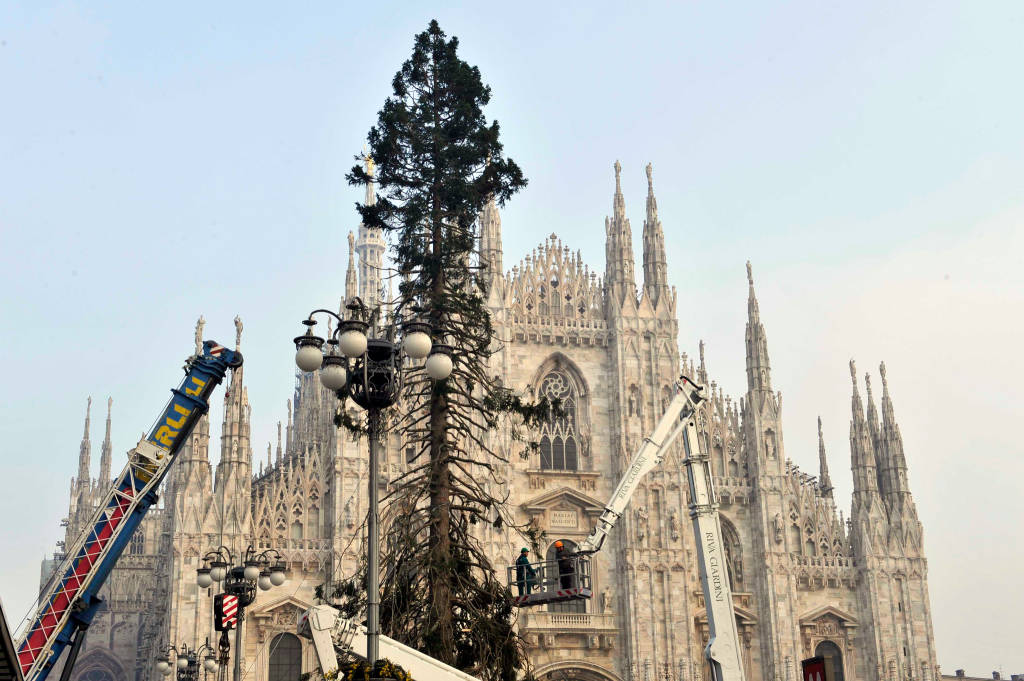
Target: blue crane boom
{"x": 68, "y": 603}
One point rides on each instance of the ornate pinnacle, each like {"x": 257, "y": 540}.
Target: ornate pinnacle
{"x": 88, "y": 408}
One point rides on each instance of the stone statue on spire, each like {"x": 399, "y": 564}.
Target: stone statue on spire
{"x": 200, "y": 323}
{"x": 238, "y": 332}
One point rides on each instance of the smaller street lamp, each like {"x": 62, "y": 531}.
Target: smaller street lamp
{"x": 262, "y": 570}
{"x": 186, "y": 661}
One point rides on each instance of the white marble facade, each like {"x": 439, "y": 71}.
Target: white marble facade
{"x": 805, "y": 581}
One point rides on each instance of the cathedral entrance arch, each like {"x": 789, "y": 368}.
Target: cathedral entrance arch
{"x": 826, "y": 633}
{"x": 285, "y": 658}
{"x": 574, "y": 671}
{"x": 833, "y": 657}
{"x": 98, "y": 665}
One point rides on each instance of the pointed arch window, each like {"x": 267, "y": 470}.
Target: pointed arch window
{"x": 560, "y": 443}
{"x": 138, "y": 543}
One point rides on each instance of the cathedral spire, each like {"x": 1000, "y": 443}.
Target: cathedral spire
{"x": 490, "y": 241}
{"x": 289, "y": 428}
{"x": 107, "y": 449}
{"x": 873, "y": 434}
{"x": 619, "y": 279}
{"x": 862, "y": 452}
{"x": 758, "y": 367}
{"x": 351, "y": 283}
{"x": 702, "y": 370}
{"x": 897, "y": 486}
{"x": 370, "y": 247}
{"x": 233, "y": 482}
{"x": 823, "y": 477}
{"x": 279, "y": 455}
{"x": 619, "y": 202}
{"x": 655, "y": 268}
{"x": 85, "y": 449}
{"x": 235, "y": 427}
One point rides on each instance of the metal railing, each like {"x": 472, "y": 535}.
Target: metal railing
{"x": 548, "y": 577}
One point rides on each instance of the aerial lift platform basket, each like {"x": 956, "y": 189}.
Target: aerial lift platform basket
{"x": 550, "y": 586}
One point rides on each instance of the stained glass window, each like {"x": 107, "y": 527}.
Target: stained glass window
{"x": 559, "y": 442}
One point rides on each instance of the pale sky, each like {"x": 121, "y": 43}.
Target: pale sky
{"x": 158, "y": 163}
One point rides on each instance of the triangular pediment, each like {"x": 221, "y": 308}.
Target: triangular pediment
{"x": 563, "y": 496}
{"x": 286, "y": 604}
{"x": 814, "y": 615}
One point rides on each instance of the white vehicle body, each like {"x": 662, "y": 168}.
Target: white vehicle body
{"x": 330, "y": 632}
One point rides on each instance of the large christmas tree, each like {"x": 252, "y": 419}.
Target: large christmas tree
{"x": 438, "y": 162}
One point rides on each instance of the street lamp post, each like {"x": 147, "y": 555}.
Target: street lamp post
{"x": 253, "y": 569}
{"x": 370, "y": 371}
{"x": 186, "y": 661}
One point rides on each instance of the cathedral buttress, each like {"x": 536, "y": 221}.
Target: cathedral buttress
{"x": 762, "y": 431}
{"x": 869, "y": 529}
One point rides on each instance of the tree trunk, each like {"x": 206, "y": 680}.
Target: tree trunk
{"x": 440, "y": 485}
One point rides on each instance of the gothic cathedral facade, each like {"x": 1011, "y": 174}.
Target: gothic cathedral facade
{"x": 805, "y": 582}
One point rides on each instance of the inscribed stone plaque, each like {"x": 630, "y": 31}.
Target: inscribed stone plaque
{"x": 563, "y": 519}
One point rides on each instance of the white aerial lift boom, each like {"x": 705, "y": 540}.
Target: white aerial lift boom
{"x": 328, "y": 630}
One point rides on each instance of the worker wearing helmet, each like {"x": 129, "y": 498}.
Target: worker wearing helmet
{"x": 566, "y": 566}
{"x": 526, "y": 576}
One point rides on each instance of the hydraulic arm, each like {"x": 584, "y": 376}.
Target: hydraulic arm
{"x": 723, "y": 651}
{"x": 68, "y": 603}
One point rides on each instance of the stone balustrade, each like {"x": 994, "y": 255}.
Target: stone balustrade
{"x": 568, "y": 621}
